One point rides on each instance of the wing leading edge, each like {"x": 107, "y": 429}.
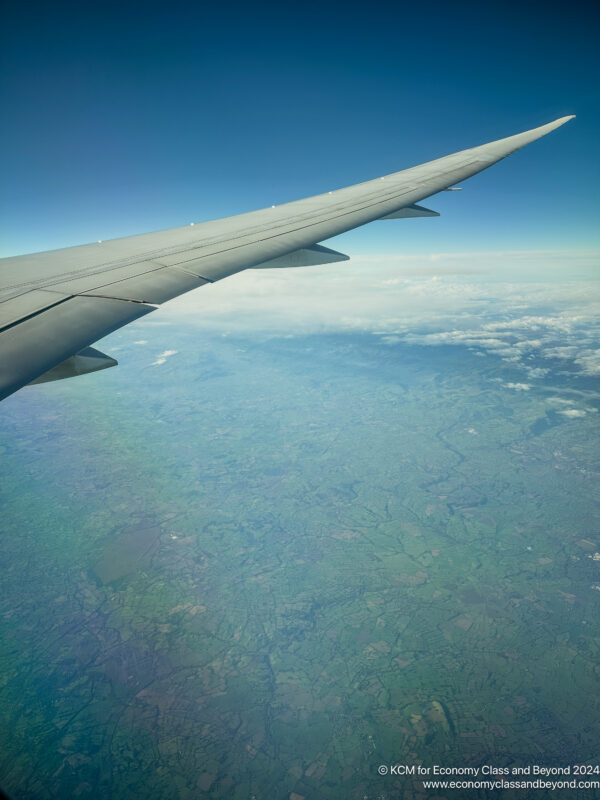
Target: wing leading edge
{"x": 54, "y": 305}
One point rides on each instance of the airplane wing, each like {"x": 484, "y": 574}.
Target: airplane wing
{"x": 54, "y": 305}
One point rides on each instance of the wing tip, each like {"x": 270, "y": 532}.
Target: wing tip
{"x": 512, "y": 143}
{"x": 561, "y": 120}
{"x": 551, "y": 126}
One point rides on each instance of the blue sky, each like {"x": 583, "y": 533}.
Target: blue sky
{"x": 121, "y": 118}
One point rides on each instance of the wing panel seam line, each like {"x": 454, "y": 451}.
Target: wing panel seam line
{"x": 34, "y": 314}
{"x": 113, "y": 297}
{"x": 153, "y": 256}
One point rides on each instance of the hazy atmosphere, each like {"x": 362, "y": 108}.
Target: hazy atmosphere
{"x": 318, "y": 522}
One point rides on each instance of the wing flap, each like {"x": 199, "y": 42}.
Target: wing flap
{"x": 26, "y": 305}
{"x": 156, "y": 286}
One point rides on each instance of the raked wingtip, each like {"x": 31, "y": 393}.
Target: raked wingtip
{"x": 557, "y": 123}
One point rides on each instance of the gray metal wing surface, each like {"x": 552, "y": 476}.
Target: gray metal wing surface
{"x": 54, "y": 305}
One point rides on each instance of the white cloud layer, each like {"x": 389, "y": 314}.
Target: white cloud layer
{"x": 162, "y": 357}
{"x": 518, "y": 306}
